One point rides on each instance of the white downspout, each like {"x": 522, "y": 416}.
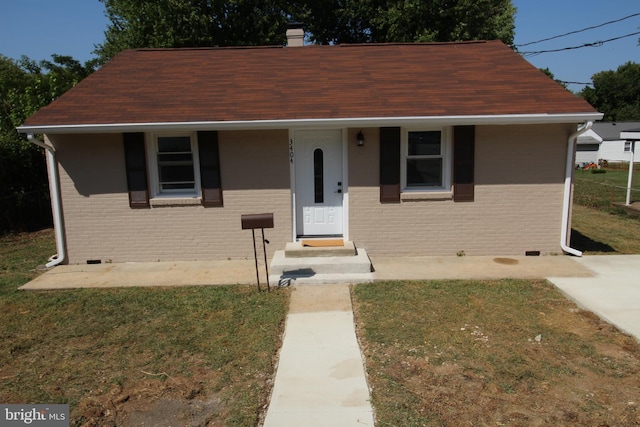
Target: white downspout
{"x": 566, "y": 204}
{"x": 56, "y": 205}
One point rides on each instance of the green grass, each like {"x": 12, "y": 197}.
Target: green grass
{"x": 603, "y": 190}
{"x": 449, "y": 353}
{"x": 91, "y": 348}
{"x": 600, "y": 232}
{"x": 599, "y": 226}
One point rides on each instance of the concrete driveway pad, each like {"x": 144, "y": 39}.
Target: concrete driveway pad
{"x": 613, "y": 293}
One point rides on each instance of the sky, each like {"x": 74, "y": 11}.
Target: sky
{"x": 40, "y": 28}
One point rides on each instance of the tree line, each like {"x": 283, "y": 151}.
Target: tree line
{"x": 26, "y": 85}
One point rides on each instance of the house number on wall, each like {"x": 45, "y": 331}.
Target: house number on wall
{"x": 291, "y": 151}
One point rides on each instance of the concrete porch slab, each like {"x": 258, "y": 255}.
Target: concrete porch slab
{"x": 147, "y": 274}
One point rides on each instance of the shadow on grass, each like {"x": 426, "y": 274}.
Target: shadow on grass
{"x": 586, "y": 244}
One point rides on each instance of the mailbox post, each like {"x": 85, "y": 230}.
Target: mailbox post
{"x": 261, "y": 221}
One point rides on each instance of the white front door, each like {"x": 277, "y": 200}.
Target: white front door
{"x": 318, "y": 186}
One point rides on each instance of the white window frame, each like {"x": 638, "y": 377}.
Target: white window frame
{"x": 627, "y": 146}
{"x": 446, "y": 154}
{"x": 154, "y": 176}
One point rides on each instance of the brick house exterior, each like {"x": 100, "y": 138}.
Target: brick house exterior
{"x": 405, "y": 149}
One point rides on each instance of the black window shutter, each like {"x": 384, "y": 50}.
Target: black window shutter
{"x": 136, "y": 165}
{"x": 463, "y": 163}
{"x": 390, "y": 165}
{"x": 210, "y": 168}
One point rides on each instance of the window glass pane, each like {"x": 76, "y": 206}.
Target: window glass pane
{"x": 172, "y": 144}
{"x": 425, "y": 143}
{"x": 424, "y": 172}
{"x": 175, "y": 163}
{"x": 318, "y": 175}
{"x": 176, "y": 173}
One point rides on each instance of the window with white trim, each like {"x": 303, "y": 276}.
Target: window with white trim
{"x": 426, "y": 160}
{"x": 627, "y": 146}
{"x": 173, "y": 165}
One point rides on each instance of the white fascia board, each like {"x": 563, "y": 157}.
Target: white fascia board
{"x": 316, "y": 123}
{"x": 630, "y": 135}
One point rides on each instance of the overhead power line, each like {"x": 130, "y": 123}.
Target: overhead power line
{"x": 593, "y": 44}
{"x": 575, "y": 83}
{"x": 579, "y": 31}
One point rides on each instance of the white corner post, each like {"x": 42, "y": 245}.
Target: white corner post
{"x": 630, "y": 180}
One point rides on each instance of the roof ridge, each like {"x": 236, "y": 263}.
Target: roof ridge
{"x": 167, "y": 49}
{"x": 415, "y": 43}
{"x": 345, "y": 45}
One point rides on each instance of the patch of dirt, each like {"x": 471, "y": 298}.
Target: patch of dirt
{"x": 506, "y": 261}
{"x": 158, "y": 401}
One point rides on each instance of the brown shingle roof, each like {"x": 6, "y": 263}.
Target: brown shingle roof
{"x": 313, "y": 82}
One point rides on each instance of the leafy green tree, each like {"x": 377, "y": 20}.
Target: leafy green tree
{"x": 198, "y": 23}
{"x": 616, "y": 94}
{"x": 191, "y": 23}
{"x": 383, "y": 21}
{"x": 26, "y": 86}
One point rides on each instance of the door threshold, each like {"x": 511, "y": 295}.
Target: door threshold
{"x": 319, "y": 236}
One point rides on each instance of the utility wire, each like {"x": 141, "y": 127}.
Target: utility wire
{"x": 594, "y": 44}
{"x": 578, "y": 31}
{"x": 575, "y": 83}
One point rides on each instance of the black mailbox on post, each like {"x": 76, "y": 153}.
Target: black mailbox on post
{"x": 252, "y": 221}
{"x": 261, "y": 221}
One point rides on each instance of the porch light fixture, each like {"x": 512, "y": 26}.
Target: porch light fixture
{"x": 360, "y": 138}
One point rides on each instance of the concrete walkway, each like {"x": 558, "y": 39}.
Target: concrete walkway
{"x": 147, "y": 274}
{"x": 320, "y": 379}
{"x": 243, "y": 271}
{"x": 613, "y": 291}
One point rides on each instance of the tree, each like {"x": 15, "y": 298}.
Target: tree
{"x": 616, "y": 94}
{"x": 198, "y": 23}
{"x": 380, "y": 21}
{"x": 191, "y": 23}
{"x": 26, "y": 86}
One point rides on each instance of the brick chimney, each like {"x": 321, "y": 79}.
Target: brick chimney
{"x": 295, "y": 34}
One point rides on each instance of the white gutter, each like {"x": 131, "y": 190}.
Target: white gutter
{"x": 56, "y": 205}
{"x": 498, "y": 119}
{"x": 566, "y": 203}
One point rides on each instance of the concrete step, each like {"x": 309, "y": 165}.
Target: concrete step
{"x": 325, "y": 269}
{"x": 297, "y": 250}
{"x": 319, "y": 279}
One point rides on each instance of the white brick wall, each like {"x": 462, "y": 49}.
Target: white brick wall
{"x": 518, "y": 199}
{"x": 101, "y": 225}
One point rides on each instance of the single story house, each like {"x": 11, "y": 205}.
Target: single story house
{"x": 405, "y": 149}
{"x": 603, "y": 142}
{"x": 588, "y": 148}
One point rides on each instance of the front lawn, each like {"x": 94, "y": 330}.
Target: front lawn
{"x": 500, "y": 353}
{"x": 135, "y": 356}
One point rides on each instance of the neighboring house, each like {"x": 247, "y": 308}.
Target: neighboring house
{"x": 610, "y": 148}
{"x": 588, "y": 148}
{"x": 404, "y": 149}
